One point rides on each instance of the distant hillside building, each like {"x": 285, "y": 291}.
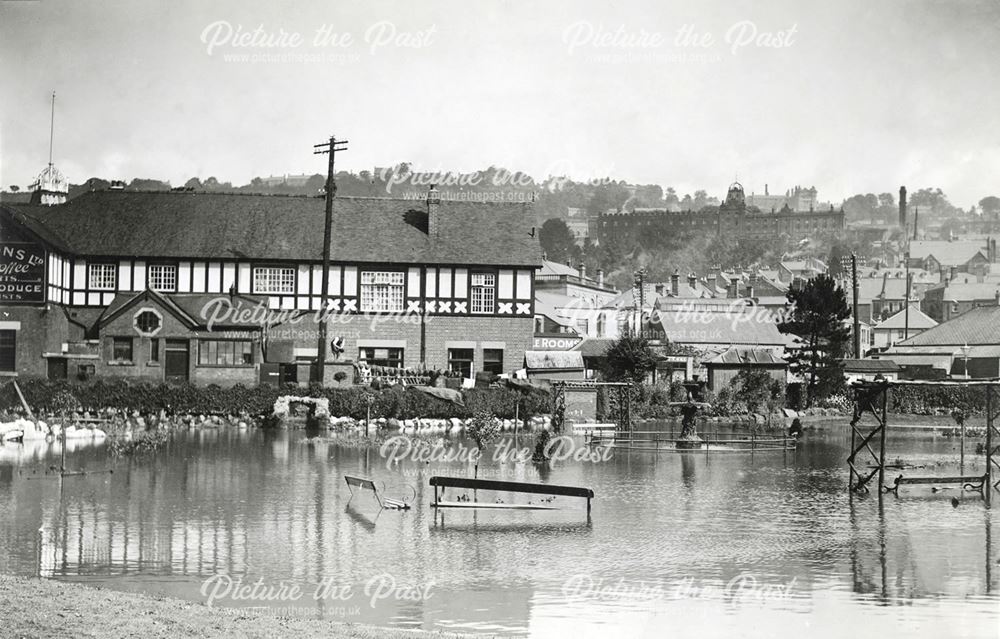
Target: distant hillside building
{"x": 286, "y": 180}
{"x": 735, "y": 217}
{"x": 797, "y": 199}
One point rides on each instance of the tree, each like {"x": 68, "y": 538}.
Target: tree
{"x": 629, "y": 358}
{"x": 557, "y": 240}
{"x": 818, "y": 311}
{"x": 990, "y": 206}
{"x": 757, "y": 388}
{"x": 14, "y": 188}
{"x": 483, "y": 429}
{"x": 193, "y": 183}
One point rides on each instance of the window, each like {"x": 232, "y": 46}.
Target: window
{"x": 216, "y": 352}
{"x": 154, "y": 350}
{"x": 460, "y": 360}
{"x": 381, "y": 291}
{"x": 274, "y": 280}
{"x": 391, "y": 357}
{"x": 483, "y": 292}
{"x": 162, "y": 277}
{"x": 147, "y": 322}
{"x": 121, "y": 349}
{"x": 493, "y": 360}
{"x": 8, "y": 350}
{"x": 102, "y": 277}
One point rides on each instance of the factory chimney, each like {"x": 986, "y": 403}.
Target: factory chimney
{"x": 902, "y": 207}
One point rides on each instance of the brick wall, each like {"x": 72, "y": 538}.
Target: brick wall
{"x": 37, "y": 331}
{"x": 513, "y": 334}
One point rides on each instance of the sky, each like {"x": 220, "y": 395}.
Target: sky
{"x": 852, "y": 96}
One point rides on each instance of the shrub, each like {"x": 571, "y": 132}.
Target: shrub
{"x": 394, "y": 401}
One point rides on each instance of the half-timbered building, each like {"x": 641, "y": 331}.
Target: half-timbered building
{"x": 209, "y": 287}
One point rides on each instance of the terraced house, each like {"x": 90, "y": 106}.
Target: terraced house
{"x": 223, "y": 288}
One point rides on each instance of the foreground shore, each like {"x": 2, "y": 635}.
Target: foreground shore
{"x": 39, "y": 608}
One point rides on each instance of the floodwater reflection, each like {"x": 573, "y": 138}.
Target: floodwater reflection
{"x": 772, "y": 543}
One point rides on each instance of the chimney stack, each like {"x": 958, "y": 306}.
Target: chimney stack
{"x": 675, "y": 283}
{"x": 692, "y": 280}
{"x": 583, "y": 271}
{"x": 916, "y": 220}
{"x": 600, "y": 277}
{"x": 433, "y": 212}
{"x": 902, "y": 207}
{"x": 752, "y": 284}
{"x": 733, "y": 289}
{"x": 765, "y": 189}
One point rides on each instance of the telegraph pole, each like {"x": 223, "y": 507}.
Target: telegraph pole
{"x": 640, "y": 277}
{"x": 52, "y": 126}
{"x": 332, "y": 147}
{"x": 906, "y": 313}
{"x": 857, "y": 321}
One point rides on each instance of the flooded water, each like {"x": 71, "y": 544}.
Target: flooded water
{"x": 676, "y": 544}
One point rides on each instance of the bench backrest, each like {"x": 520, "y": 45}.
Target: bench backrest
{"x": 360, "y": 482}
{"x": 512, "y": 486}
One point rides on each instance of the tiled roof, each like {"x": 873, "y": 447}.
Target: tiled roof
{"x": 872, "y": 288}
{"x": 555, "y": 268}
{"x": 188, "y": 307}
{"x": 728, "y": 326}
{"x": 947, "y": 253}
{"x": 977, "y": 326}
{"x": 962, "y": 292}
{"x": 744, "y": 355}
{"x": 227, "y": 226}
{"x": 869, "y": 366}
{"x": 917, "y": 320}
{"x": 593, "y": 347}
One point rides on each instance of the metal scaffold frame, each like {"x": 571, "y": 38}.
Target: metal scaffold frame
{"x": 872, "y": 399}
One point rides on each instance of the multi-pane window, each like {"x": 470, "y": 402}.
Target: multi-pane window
{"x": 147, "y": 322}
{"x": 274, "y": 280}
{"x": 216, "y": 352}
{"x": 121, "y": 349}
{"x": 102, "y": 277}
{"x": 493, "y": 360}
{"x": 382, "y": 291}
{"x": 162, "y": 277}
{"x": 460, "y": 360}
{"x": 483, "y": 292}
{"x": 8, "y": 350}
{"x": 391, "y": 357}
{"x": 154, "y": 349}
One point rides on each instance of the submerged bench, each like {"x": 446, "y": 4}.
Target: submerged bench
{"x": 507, "y": 487}
{"x": 969, "y": 482}
{"x": 368, "y": 484}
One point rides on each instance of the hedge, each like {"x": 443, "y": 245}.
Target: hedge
{"x": 927, "y": 400}
{"x": 51, "y": 396}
